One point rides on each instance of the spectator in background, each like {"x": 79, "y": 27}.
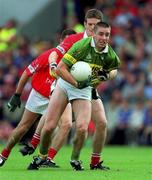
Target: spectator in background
{"x": 131, "y": 87}
{"x": 112, "y": 109}
{"x": 136, "y": 122}
{"x": 75, "y": 24}
{"x": 41, "y": 46}
{"x": 8, "y": 36}
{"x": 81, "y": 7}
{"x": 146, "y": 136}
{"x": 124, "y": 114}
{"x": 23, "y": 56}
{"x": 148, "y": 88}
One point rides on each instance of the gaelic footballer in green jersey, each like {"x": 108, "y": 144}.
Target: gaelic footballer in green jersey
{"x": 95, "y": 51}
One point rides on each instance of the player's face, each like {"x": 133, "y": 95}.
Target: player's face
{"x": 101, "y": 37}
{"x": 89, "y": 25}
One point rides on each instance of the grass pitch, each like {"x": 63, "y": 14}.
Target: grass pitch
{"x": 126, "y": 163}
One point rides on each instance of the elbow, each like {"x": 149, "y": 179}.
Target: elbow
{"x": 53, "y": 57}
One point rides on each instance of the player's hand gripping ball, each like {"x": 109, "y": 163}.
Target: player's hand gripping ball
{"x": 113, "y": 74}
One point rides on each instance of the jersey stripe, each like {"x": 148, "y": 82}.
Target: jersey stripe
{"x": 31, "y": 69}
{"x": 68, "y": 57}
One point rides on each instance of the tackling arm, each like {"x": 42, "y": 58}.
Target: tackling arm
{"x": 15, "y": 100}
{"x": 23, "y": 80}
{"x": 52, "y": 63}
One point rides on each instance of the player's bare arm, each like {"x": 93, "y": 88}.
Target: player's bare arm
{"x": 63, "y": 71}
{"x": 15, "y": 100}
{"x": 113, "y": 74}
{"x": 23, "y": 80}
{"x": 52, "y": 63}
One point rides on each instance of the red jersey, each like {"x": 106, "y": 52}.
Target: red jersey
{"x": 39, "y": 70}
{"x": 68, "y": 42}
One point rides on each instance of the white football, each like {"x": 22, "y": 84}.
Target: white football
{"x": 81, "y": 71}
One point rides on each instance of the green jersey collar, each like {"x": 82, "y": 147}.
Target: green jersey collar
{"x": 105, "y": 50}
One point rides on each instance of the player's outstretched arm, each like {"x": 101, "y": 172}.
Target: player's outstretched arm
{"x": 15, "y": 100}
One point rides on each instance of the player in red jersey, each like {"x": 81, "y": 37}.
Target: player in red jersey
{"x": 38, "y": 99}
{"x": 98, "y": 113}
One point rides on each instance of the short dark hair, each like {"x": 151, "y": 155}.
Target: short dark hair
{"x": 67, "y": 32}
{"x": 94, "y": 13}
{"x": 101, "y": 24}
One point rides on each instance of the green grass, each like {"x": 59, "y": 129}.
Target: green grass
{"x": 126, "y": 163}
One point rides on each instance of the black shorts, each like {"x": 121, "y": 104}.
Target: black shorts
{"x": 95, "y": 94}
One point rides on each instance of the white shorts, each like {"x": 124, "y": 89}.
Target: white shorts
{"x": 73, "y": 92}
{"x": 53, "y": 86}
{"x": 36, "y": 102}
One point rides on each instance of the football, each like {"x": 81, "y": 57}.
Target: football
{"x": 81, "y": 71}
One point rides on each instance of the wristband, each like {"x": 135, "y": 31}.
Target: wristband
{"x": 53, "y": 65}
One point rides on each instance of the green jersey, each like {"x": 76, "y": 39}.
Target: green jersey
{"x": 84, "y": 50}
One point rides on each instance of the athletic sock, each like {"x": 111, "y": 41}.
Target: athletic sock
{"x": 35, "y": 140}
{"x": 43, "y": 156}
{"x": 5, "y": 153}
{"x": 51, "y": 153}
{"x": 95, "y": 158}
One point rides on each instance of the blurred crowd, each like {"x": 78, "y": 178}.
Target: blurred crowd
{"x": 16, "y": 52}
{"x": 127, "y": 99}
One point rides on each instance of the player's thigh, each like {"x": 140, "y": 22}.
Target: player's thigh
{"x": 98, "y": 112}
{"x": 82, "y": 112}
{"x": 66, "y": 118}
{"x": 28, "y": 118}
{"x": 57, "y": 104}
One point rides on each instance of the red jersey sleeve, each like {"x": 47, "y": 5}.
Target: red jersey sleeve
{"x": 39, "y": 63}
{"x": 33, "y": 67}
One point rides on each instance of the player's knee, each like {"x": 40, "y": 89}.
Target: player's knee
{"x": 47, "y": 130}
{"x": 66, "y": 125}
{"x": 102, "y": 124}
{"x": 49, "y": 127}
{"x": 82, "y": 128}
